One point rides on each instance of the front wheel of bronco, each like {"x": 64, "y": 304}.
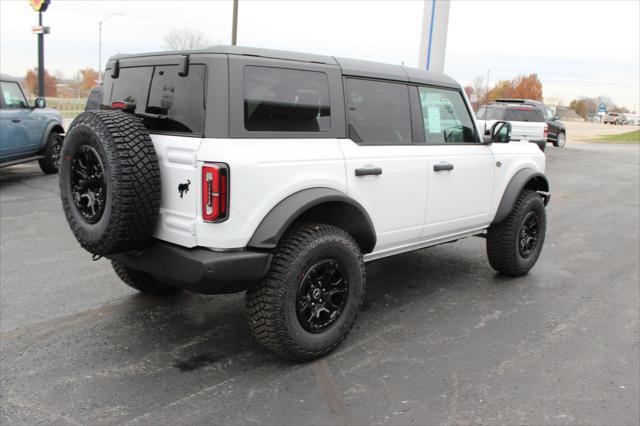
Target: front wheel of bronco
{"x": 52, "y": 153}
{"x": 513, "y": 245}
{"x": 309, "y": 300}
{"x": 141, "y": 281}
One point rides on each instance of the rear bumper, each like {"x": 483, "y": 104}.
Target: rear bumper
{"x": 199, "y": 269}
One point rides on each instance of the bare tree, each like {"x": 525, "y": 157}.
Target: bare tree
{"x": 185, "y": 39}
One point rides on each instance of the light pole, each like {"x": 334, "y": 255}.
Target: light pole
{"x": 100, "y": 43}
{"x": 234, "y": 24}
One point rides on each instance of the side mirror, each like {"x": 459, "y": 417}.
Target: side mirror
{"x": 41, "y": 103}
{"x": 501, "y": 132}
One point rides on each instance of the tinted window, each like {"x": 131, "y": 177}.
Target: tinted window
{"x": 132, "y": 86}
{"x": 379, "y": 113}
{"x": 12, "y": 95}
{"x": 285, "y": 100}
{"x": 445, "y": 116}
{"x": 178, "y": 102}
{"x": 523, "y": 114}
{"x": 181, "y": 99}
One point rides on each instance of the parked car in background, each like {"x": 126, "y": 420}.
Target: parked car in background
{"x": 631, "y": 120}
{"x": 612, "y": 118}
{"x": 28, "y": 133}
{"x": 557, "y": 130}
{"x": 527, "y": 122}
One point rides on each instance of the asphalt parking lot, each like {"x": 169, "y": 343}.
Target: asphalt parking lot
{"x": 442, "y": 339}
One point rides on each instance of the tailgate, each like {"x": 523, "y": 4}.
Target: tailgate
{"x": 526, "y": 130}
{"x": 179, "y": 173}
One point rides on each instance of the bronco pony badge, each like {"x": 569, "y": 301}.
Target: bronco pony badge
{"x": 184, "y": 188}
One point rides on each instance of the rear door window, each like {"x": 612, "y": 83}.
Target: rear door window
{"x": 174, "y": 103}
{"x": 445, "y": 116}
{"x": 379, "y": 112}
{"x": 285, "y": 100}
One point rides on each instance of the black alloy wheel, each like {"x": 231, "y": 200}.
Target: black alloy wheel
{"x": 322, "y": 296}
{"x": 529, "y": 235}
{"x": 88, "y": 184}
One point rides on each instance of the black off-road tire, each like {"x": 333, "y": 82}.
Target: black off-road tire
{"x": 271, "y": 305}
{"x": 503, "y": 239}
{"x": 52, "y": 153}
{"x": 123, "y": 148}
{"x": 141, "y": 281}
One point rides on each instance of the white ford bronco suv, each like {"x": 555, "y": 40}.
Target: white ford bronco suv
{"x": 281, "y": 174}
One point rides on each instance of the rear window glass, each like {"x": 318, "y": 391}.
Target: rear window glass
{"x": 379, "y": 112}
{"x": 173, "y": 103}
{"x": 523, "y": 114}
{"x": 491, "y": 113}
{"x": 285, "y": 100}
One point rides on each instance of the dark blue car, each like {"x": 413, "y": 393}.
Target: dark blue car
{"x": 27, "y": 132}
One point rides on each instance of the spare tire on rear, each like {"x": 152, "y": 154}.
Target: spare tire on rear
{"x": 109, "y": 182}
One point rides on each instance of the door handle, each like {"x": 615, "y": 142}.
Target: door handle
{"x": 373, "y": 171}
{"x": 442, "y": 166}
{"x": 15, "y": 119}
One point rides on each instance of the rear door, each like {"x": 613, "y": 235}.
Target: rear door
{"x": 460, "y": 167}
{"x": 386, "y": 170}
{"x": 175, "y": 108}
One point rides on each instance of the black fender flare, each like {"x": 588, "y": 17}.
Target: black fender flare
{"x": 52, "y": 126}
{"x": 526, "y": 178}
{"x": 276, "y": 222}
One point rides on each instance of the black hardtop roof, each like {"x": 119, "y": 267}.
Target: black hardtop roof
{"x": 353, "y": 67}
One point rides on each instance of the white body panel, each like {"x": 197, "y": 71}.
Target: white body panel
{"x": 177, "y": 158}
{"x": 263, "y": 173}
{"x": 460, "y": 199}
{"x": 396, "y": 199}
{"x": 410, "y": 204}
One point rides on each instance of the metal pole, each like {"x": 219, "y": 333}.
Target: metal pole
{"x": 100, "y": 51}
{"x": 41, "y": 91}
{"x": 234, "y": 25}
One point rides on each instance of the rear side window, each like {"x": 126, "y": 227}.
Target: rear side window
{"x": 12, "y": 96}
{"x": 445, "y": 116}
{"x": 174, "y": 103}
{"x": 379, "y": 112}
{"x": 523, "y": 114}
{"x": 285, "y": 100}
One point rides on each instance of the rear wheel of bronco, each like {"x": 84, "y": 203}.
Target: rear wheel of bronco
{"x": 309, "y": 300}
{"x": 513, "y": 245}
{"x": 109, "y": 182}
{"x": 52, "y": 151}
{"x": 141, "y": 281}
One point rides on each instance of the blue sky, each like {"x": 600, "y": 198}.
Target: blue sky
{"x": 578, "y": 48}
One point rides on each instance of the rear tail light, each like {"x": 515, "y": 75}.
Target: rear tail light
{"x": 546, "y": 131}
{"x": 215, "y": 192}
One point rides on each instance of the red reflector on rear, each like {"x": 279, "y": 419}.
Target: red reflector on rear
{"x": 215, "y": 188}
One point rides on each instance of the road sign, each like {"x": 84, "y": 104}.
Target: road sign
{"x": 602, "y": 107}
{"x": 39, "y": 5}
{"x": 39, "y": 29}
